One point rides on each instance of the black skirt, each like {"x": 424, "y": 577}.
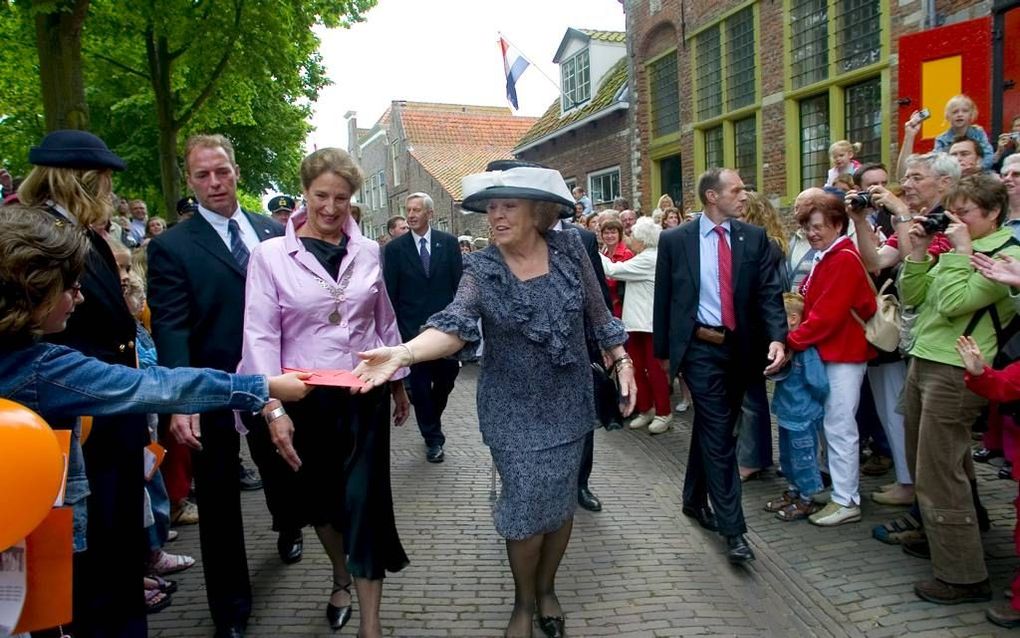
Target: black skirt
{"x": 344, "y": 481}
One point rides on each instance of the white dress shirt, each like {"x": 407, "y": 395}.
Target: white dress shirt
{"x": 220, "y": 225}
{"x": 428, "y": 241}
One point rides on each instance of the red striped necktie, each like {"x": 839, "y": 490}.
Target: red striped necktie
{"x": 729, "y": 318}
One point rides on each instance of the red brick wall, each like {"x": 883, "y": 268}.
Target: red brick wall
{"x": 645, "y": 39}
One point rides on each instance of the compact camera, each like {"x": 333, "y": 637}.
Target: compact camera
{"x": 935, "y": 223}
{"x": 923, "y": 114}
{"x": 860, "y": 201}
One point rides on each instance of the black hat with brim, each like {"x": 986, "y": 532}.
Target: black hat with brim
{"x": 74, "y": 149}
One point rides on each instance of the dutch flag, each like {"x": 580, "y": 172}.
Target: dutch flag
{"x": 513, "y": 69}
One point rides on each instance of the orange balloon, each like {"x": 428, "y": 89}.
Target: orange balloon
{"x": 31, "y": 470}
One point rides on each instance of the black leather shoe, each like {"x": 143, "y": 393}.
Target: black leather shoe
{"x": 434, "y": 454}
{"x": 230, "y": 631}
{"x": 983, "y": 455}
{"x": 587, "y": 500}
{"x": 1006, "y": 471}
{"x": 290, "y": 545}
{"x": 552, "y": 626}
{"x": 339, "y": 616}
{"x": 738, "y": 552}
{"x": 249, "y": 480}
{"x": 704, "y": 515}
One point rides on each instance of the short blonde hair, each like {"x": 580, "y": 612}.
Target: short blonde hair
{"x": 843, "y": 146}
{"x": 331, "y": 160}
{"x": 208, "y": 141}
{"x": 86, "y": 193}
{"x": 793, "y": 302}
{"x": 964, "y": 100}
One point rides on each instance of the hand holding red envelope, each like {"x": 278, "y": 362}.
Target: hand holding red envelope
{"x": 335, "y": 378}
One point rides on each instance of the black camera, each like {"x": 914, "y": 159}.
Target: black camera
{"x": 860, "y": 201}
{"x": 935, "y": 223}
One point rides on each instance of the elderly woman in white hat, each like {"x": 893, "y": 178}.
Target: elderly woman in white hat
{"x": 536, "y": 294}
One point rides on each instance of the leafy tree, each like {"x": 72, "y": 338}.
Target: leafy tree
{"x": 156, "y": 71}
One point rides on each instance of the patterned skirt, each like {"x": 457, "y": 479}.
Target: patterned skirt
{"x": 539, "y": 492}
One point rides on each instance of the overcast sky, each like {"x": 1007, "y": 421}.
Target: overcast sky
{"x": 446, "y": 51}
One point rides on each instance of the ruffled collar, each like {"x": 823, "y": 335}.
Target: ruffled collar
{"x": 543, "y": 321}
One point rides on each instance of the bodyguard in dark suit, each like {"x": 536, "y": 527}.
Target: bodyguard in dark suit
{"x": 196, "y": 292}
{"x": 718, "y": 297}
{"x": 422, "y": 270}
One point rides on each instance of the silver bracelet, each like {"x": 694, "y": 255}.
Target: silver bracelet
{"x": 275, "y": 414}
{"x": 409, "y": 353}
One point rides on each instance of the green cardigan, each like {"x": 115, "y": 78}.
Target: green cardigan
{"x": 948, "y": 293}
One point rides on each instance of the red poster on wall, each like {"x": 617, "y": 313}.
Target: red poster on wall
{"x": 936, "y": 64}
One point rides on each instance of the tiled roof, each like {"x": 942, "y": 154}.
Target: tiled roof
{"x": 381, "y": 123}
{"x": 550, "y": 121}
{"x": 454, "y": 140}
{"x": 605, "y": 36}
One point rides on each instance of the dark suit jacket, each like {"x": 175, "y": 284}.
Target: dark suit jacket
{"x": 591, "y": 246}
{"x": 196, "y": 293}
{"x": 416, "y": 296}
{"x": 757, "y": 292}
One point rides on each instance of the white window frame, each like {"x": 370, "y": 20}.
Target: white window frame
{"x": 575, "y": 95}
{"x": 394, "y": 160}
{"x": 600, "y": 174}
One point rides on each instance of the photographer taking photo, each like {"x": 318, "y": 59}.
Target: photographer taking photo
{"x": 927, "y": 180}
{"x": 953, "y": 299}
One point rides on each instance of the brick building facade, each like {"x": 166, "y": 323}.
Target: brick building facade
{"x": 765, "y": 87}
{"x": 428, "y": 147}
{"x": 585, "y": 133}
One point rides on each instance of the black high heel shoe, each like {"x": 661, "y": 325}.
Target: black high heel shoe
{"x": 339, "y": 616}
{"x": 552, "y": 626}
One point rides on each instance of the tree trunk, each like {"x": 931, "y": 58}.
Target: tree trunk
{"x": 58, "y": 42}
{"x": 158, "y": 54}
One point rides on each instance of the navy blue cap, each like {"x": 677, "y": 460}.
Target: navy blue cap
{"x": 281, "y": 202}
{"x": 74, "y": 149}
{"x": 187, "y": 205}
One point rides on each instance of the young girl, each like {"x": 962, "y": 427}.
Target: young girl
{"x": 961, "y": 113}
{"x": 1001, "y": 386}
{"x": 841, "y": 154}
{"x": 41, "y": 260}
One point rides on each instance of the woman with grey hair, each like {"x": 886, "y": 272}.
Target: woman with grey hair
{"x": 653, "y": 408}
{"x": 537, "y": 296}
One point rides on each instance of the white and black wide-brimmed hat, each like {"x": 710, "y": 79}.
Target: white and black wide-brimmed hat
{"x": 514, "y": 179}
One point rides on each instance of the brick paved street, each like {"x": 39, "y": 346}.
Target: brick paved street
{"x": 639, "y": 568}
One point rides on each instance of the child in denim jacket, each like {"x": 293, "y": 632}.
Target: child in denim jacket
{"x": 41, "y": 260}
{"x": 799, "y": 406}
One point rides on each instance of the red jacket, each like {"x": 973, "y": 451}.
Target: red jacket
{"x": 1000, "y": 386}
{"x": 836, "y": 285}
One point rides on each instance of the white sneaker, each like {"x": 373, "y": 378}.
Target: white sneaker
{"x": 641, "y": 420}
{"x": 660, "y": 424}
{"x": 835, "y": 514}
{"x": 683, "y": 406}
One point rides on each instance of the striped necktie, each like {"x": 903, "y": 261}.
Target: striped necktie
{"x": 729, "y": 317}
{"x": 237, "y": 247}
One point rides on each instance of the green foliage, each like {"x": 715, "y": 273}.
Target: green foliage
{"x": 249, "y": 69}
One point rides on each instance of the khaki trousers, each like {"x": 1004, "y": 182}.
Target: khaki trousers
{"x": 938, "y": 413}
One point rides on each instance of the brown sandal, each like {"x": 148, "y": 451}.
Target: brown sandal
{"x": 797, "y": 510}
{"x": 782, "y": 502}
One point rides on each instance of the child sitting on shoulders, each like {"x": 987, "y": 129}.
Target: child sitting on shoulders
{"x": 842, "y": 154}
{"x": 799, "y": 406}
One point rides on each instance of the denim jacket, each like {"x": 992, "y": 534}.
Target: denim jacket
{"x": 60, "y": 383}
{"x": 801, "y": 390}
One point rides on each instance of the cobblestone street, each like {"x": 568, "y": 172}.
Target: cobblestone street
{"x": 639, "y": 568}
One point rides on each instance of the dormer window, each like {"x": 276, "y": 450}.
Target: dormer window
{"x": 575, "y": 80}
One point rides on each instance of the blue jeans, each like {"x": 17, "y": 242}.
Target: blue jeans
{"x": 798, "y": 459}
{"x": 158, "y": 532}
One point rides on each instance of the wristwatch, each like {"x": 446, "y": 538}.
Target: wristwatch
{"x": 275, "y": 414}
{"x": 904, "y": 219}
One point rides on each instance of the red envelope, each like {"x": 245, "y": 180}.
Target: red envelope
{"x": 336, "y": 378}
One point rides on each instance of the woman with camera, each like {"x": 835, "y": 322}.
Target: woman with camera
{"x": 953, "y": 300}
